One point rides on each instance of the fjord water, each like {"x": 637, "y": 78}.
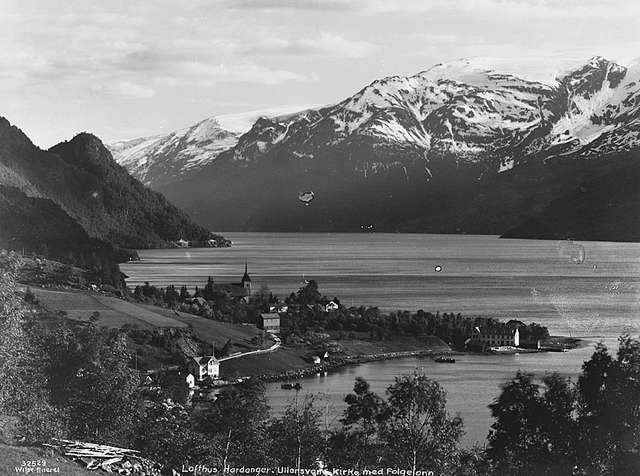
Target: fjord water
{"x": 582, "y": 289}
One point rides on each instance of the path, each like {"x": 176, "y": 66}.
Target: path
{"x": 274, "y": 347}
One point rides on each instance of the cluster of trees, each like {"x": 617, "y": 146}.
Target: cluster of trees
{"x": 220, "y": 304}
{"x": 411, "y": 428}
{"x": 553, "y": 427}
{"x": 559, "y": 427}
{"x": 76, "y": 381}
{"x": 307, "y": 312}
{"x": 63, "y": 379}
{"x": 38, "y": 226}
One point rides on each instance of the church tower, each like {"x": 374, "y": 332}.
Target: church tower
{"x": 246, "y": 280}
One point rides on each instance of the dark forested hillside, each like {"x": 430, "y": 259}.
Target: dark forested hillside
{"x": 605, "y": 208}
{"x": 81, "y": 177}
{"x": 38, "y": 225}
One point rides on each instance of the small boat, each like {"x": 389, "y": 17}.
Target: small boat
{"x": 445, "y": 359}
{"x": 291, "y": 386}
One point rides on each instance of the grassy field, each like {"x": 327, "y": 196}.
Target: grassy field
{"x": 113, "y": 312}
{"x": 212, "y": 331}
{"x": 273, "y": 362}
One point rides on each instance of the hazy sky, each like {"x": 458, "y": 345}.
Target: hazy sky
{"x": 124, "y": 69}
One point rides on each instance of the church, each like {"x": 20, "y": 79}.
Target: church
{"x": 241, "y": 290}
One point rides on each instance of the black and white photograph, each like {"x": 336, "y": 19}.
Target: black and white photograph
{"x": 320, "y": 237}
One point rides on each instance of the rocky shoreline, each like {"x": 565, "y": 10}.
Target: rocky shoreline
{"x": 340, "y": 362}
{"x": 337, "y": 363}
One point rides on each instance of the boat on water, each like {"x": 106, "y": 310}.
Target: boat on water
{"x": 445, "y": 359}
{"x": 291, "y": 386}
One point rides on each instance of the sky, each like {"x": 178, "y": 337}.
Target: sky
{"x": 125, "y": 69}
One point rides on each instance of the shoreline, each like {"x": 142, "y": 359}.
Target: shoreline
{"x": 346, "y": 361}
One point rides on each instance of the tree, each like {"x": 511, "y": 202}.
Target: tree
{"x": 356, "y": 444}
{"x": 209, "y": 289}
{"x": 263, "y": 298}
{"x": 22, "y": 392}
{"x": 534, "y": 432}
{"x": 513, "y": 439}
{"x": 609, "y": 409}
{"x": 296, "y": 437}
{"x": 236, "y": 424}
{"x": 171, "y": 296}
{"x": 417, "y": 432}
{"x": 166, "y": 435}
{"x": 589, "y": 428}
{"x": 309, "y": 294}
{"x": 13, "y": 339}
{"x": 184, "y": 294}
{"x": 87, "y": 373}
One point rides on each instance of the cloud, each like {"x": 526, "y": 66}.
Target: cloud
{"x": 519, "y": 8}
{"x": 325, "y": 44}
{"x": 244, "y": 71}
{"x": 201, "y": 74}
{"x": 272, "y": 5}
{"x": 124, "y": 88}
{"x": 242, "y": 122}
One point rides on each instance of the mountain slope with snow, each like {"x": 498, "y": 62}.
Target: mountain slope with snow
{"x": 163, "y": 158}
{"x": 473, "y": 113}
{"x": 391, "y": 154}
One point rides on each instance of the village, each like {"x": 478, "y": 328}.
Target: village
{"x": 223, "y": 333}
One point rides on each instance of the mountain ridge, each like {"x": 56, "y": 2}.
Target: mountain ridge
{"x": 389, "y": 155}
{"x": 81, "y": 177}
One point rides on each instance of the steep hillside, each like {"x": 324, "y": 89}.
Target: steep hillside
{"x": 604, "y": 208}
{"x": 419, "y": 153}
{"x": 81, "y": 177}
{"x": 38, "y": 225}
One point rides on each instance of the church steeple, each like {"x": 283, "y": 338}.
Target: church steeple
{"x": 246, "y": 280}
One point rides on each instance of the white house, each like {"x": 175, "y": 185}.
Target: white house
{"x": 496, "y": 336}
{"x": 278, "y": 308}
{"x": 191, "y": 381}
{"x": 331, "y": 306}
{"x": 271, "y": 322}
{"x": 202, "y": 367}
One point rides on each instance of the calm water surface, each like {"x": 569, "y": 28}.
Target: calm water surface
{"x": 585, "y": 289}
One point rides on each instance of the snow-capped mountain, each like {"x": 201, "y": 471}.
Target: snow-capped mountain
{"x": 391, "y": 153}
{"x": 465, "y": 110}
{"x": 163, "y": 158}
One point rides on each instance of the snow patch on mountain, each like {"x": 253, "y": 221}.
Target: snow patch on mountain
{"x": 164, "y": 157}
{"x": 468, "y": 111}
